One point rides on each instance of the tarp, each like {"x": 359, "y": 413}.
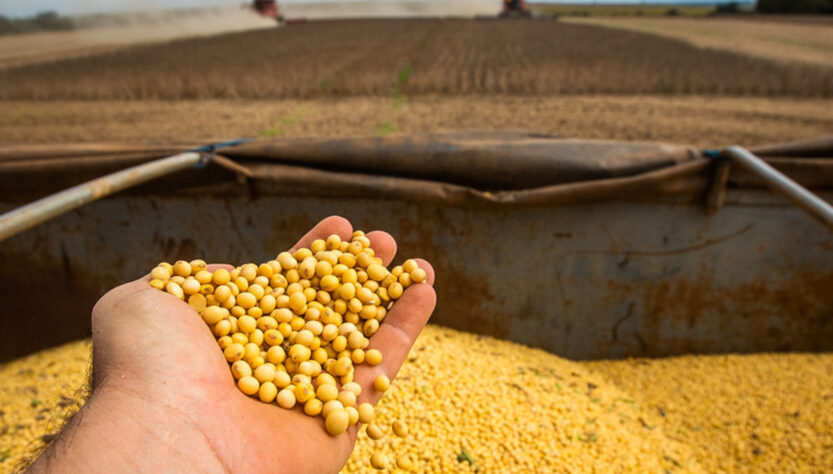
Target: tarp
{"x": 486, "y": 161}
{"x": 462, "y": 168}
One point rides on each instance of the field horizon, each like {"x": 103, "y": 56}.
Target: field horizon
{"x": 410, "y": 76}
{"x": 343, "y": 58}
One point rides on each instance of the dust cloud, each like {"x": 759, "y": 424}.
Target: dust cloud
{"x": 400, "y": 9}
{"x": 98, "y": 33}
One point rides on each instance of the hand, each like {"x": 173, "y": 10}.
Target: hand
{"x": 164, "y": 399}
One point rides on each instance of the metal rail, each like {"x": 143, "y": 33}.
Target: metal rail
{"x": 814, "y": 205}
{"x": 44, "y": 209}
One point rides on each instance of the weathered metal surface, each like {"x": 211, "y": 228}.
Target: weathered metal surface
{"x": 46, "y": 208}
{"x": 583, "y": 281}
{"x": 780, "y": 183}
{"x": 626, "y": 263}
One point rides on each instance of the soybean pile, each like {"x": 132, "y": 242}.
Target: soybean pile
{"x": 738, "y": 413}
{"x": 38, "y": 395}
{"x": 475, "y": 403}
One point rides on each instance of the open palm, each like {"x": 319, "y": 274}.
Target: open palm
{"x": 154, "y": 349}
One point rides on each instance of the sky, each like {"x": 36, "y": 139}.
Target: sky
{"x": 18, "y": 8}
{"x": 21, "y": 8}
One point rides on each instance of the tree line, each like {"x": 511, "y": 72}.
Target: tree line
{"x": 795, "y": 6}
{"x": 44, "y": 21}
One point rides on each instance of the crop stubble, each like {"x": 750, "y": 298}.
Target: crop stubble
{"x": 366, "y": 58}
{"x": 702, "y": 121}
{"x": 781, "y": 39}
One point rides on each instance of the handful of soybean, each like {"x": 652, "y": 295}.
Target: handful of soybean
{"x": 294, "y": 328}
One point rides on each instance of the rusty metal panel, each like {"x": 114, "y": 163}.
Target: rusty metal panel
{"x": 606, "y": 279}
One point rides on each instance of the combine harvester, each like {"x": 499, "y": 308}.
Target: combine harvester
{"x": 515, "y": 9}
{"x": 269, "y": 9}
{"x": 266, "y": 8}
{"x": 588, "y": 249}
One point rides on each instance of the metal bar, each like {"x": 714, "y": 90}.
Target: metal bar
{"x": 231, "y": 165}
{"x": 814, "y": 205}
{"x": 44, "y": 209}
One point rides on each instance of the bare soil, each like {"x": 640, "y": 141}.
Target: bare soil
{"x": 791, "y": 39}
{"x": 110, "y": 32}
{"x": 701, "y": 121}
{"x": 340, "y": 78}
{"x": 414, "y": 57}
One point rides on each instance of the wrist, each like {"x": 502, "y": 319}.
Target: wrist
{"x": 121, "y": 430}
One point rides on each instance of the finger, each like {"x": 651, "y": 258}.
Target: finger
{"x": 125, "y": 289}
{"x": 383, "y": 245}
{"x": 327, "y": 227}
{"x": 216, "y": 266}
{"x": 396, "y": 336}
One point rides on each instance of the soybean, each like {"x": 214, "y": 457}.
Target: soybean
{"x": 366, "y": 412}
{"x": 374, "y": 431}
{"x": 381, "y": 383}
{"x": 379, "y": 461}
{"x": 286, "y": 398}
{"x": 337, "y": 421}
{"x": 399, "y": 428}
{"x": 248, "y": 385}
{"x": 373, "y": 357}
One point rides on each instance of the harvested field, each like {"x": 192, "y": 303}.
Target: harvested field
{"x": 783, "y": 39}
{"x": 607, "y": 9}
{"x": 110, "y": 32}
{"x": 416, "y": 57}
{"x": 701, "y": 121}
